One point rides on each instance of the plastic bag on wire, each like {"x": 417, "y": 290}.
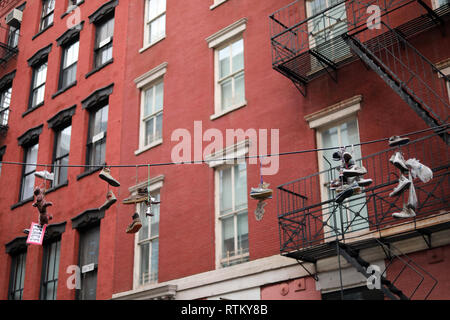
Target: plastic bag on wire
{"x": 419, "y": 170}
{"x": 412, "y": 199}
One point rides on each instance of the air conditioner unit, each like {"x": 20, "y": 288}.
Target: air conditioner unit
{"x": 14, "y": 18}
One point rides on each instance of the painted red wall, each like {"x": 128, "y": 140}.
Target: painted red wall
{"x": 79, "y": 195}
{"x": 428, "y": 263}
{"x": 297, "y": 289}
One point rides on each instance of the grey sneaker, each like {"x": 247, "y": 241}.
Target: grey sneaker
{"x": 397, "y": 141}
{"x": 110, "y": 200}
{"x": 105, "y": 174}
{"x": 262, "y": 192}
{"x": 403, "y": 184}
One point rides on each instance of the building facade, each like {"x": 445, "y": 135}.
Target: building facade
{"x": 165, "y": 94}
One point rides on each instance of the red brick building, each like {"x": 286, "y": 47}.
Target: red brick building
{"x": 128, "y": 83}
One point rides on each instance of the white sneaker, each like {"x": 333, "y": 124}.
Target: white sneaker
{"x": 407, "y": 212}
{"x": 364, "y": 182}
{"x": 45, "y": 175}
{"x": 354, "y": 171}
{"x": 403, "y": 184}
{"x": 398, "y": 161}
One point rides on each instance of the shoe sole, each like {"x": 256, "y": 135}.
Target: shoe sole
{"x": 353, "y": 174}
{"x": 108, "y": 205}
{"x": 135, "y": 228}
{"x": 114, "y": 183}
{"x": 261, "y": 195}
{"x": 134, "y": 201}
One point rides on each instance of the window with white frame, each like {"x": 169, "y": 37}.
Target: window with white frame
{"x": 146, "y": 249}
{"x": 230, "y": 80}
{"x": 151, "y": 86}
{"x": 152, "y": 113}
{"x": 232, "y": 214}
{"x": 229, "y": 74}
{"x": 155, "y": 21}
{"x": 148, "y": 243}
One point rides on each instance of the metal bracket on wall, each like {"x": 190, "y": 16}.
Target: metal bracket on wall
{"x": 301, "y": 263}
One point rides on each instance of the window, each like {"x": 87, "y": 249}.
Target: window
{"x": 155, "y": 21}
{"x": 38, "y": 85}
{"x": 103, "y": 43}
{"x": 232, "y": 214}
{"x": 48, "y": 6}
{"x": 5, "y": 101}
{"x": 342, "y": 133}
{"x": 69, "y": 62}
{"x": 229, "y": 77}
{"x": 88, "y": 261}
{"x": 325, "y": 27}
{"x": 50, "y": 269}
{"x": 148, "y": 243}
{"x": 439, "y": 3}
{"x": 31, "y": 153}
{"x": 230, "y": 81}
{"x": 13, "y": 37}
{"x": 152, "y": 113}
{"x": 17, "y": 277}
{"x": 61, "y": 155}
{"x": 96, "y": 146}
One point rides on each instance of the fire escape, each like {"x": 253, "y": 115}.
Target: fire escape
{"x": 309, "y": 42}
{"x": 9, "y": 39}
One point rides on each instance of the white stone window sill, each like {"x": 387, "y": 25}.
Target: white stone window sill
{"x": 224, "y": 112}
{"x": 217, "y": 3}
{"x": 148, "y": 147}
{"x": 149, "y": 45}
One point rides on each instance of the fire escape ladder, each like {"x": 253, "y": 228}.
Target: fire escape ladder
{"x": 388, "y": 286}
{"x": 353, "y": 257}
{"x": 413, "y": 77}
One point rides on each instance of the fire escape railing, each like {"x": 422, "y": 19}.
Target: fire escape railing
{"x": 308, "y": 216}
{"x": 304, "y": 47}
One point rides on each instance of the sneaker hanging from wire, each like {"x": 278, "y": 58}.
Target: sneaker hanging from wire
{"x": 110, "y": 200}
{"x": 262, "y": 192}
{"x": 105, "y": 174}
{"x": 135, "y": 225}
{"x": 395, "y": 141}
{"x": 403, "y": 184}
{"x": 407, "y": 212}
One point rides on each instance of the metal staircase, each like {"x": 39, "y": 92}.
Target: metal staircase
{"x": 388, "y": 287}
{"x": 412, "y": 76}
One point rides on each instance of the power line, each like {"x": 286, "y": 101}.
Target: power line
{"x": 437, "y": 129}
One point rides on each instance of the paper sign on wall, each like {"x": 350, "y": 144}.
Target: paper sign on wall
{"x": 36, "y": 235}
